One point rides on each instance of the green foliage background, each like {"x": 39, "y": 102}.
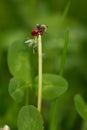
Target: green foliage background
{"x": 17, "y": 18}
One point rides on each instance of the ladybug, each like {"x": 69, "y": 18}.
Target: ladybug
{"x": 39, "y": 29}
{"x": 35, "y": 32}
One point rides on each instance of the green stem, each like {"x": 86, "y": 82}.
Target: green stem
{"x": 53, "y": 112}
{"x": 40, "y": 73}
{"x": 27, "y": 95}
{"x": 54, "y": 106}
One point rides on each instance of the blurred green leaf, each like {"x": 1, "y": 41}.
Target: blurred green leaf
{"x": 63, "y": 59}
{"x": 53, "y": 86}
{"x": 66, "y": 10}
{"x": 81, "y": 107}
{"x": 19, "y": 62}
{"x": 84, "y": 126}
{"x": 16, "y": 89}
{"x": 9, "y": 37}
{"x": 29, "y": 118}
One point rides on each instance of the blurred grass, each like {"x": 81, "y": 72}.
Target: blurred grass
{"x": 17, "y": 18}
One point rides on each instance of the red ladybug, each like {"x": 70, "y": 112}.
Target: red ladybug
{"x": 35, "y": 32}
{"x": 40, "y": 29}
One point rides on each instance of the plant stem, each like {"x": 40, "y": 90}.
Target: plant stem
{"x": 39, "y": 72}
{"x": 27, "y": 95}
{"x": 54, "y": 106}
{"x": 53, "y": 112}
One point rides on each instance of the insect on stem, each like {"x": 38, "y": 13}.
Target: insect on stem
{"x": 37, "y": 32}
{"x": 40, "y": 73}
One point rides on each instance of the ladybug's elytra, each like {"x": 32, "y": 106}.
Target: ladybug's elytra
{"x": 35, "y": 32}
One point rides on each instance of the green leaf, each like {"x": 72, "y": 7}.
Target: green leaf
{"x": 19, "y": 61}
{"x": 81, "y": 107}
{"x": 29, "y": 118}
{"x": 16, "y": 90}
{"x": 53, "y": 86}
{"x": 64, "y": 53}
{"x": 66, "y": 10}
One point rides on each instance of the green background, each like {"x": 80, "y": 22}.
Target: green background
{"x": 17, "y": 18}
